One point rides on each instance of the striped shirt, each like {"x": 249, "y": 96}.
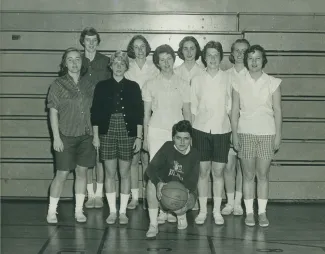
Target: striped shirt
{"x": 73, "y": 102}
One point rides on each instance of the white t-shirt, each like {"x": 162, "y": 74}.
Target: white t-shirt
{"x": 211, "y": 102}
{"x": 167, "y": 97}
{"x": 140, "y": 76}
{"x": 256, "y": 104}
{"x": 187, "y": 75}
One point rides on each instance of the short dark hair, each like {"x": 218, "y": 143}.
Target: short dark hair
{"x": 252, "y": 49}
{"x": 130, "y": 48}
{"x": 64, "y": 69}
{"x": 212, "y": 44}
{"x": 165, "y": 48}
{"x": 181, "y": 45}
{"x": 182, "y": 126}
{"x": 231, "y": 56}
{"x": 90, "y": 31}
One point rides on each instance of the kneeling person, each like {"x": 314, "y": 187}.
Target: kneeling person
{"x": 175, "y": 161}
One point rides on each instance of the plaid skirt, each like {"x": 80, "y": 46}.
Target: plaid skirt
{"x": 116, "y": 144}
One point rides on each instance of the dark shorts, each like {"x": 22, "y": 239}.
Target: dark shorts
{"x": 116, "y": 144}
{"x": 77, "y": 151}
{"x": 212, "y": 147}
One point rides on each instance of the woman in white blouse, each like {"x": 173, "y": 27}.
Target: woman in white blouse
{"x": 140, "y": 70}
{"x": 256, "y": 120}
{"x": 233, "y": 174}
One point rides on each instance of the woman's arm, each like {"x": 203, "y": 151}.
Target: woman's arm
{"x": 54, "y": 120}
{"x": 234, "y": 118}
{"x": 187, "y": 112}
{"x": 276, "y": 98}
{"x": 147, "y": 116}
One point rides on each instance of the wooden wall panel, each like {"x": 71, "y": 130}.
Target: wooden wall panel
{"x": 288, "y": 41}
{"x": 303, "y": 130}
{"x": 109, "y": 41}
{"x": 64, "y": 21}
{"x": 304, "y": 109}
{"x": 274, "y": 22}
{"x": 298, "y": 173}
{"x": 26, "y": 148}
{"x": 297, "y": 190}
{"x": 302, "y": 86}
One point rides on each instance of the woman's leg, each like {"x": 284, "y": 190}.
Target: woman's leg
{"x": 230, "y": 179}
{"x": 144, "y": 164}
{"x": 205, "y": 169}
{"x": 80, "y": 192}
{"x": 124, "y": 168}
{"x": 134, "y": 181}
{"x": 218, "y": 186}
{"x": 238, "y": 210}
{"x": 153, "y": 209}
{"x": 110, "y": 173}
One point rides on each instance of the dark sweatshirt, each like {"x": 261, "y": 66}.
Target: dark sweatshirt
{"x": 170, "y": 165}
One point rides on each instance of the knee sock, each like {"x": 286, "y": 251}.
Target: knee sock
{"x": 90, "y": 190}
{"x": 203, "y": 204}
{"x": 53, "y": 204}
{"x": 249, "y": 205}
{"x": 216, "y": 204}
{"x": 124, "y": 198}
{"x": 135, "y": 194}
{"x": 230, "y": 199}
{"x": 153, "y": 215}
{"x": 238, "y": 198}
{"x": 80, "y": 198}
{"x": 261, "y": 205}
{"x": 111, "y": 199}
{"x": 99, "y": 190}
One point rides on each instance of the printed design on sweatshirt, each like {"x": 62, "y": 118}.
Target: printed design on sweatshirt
{"x": 177, "y": 171}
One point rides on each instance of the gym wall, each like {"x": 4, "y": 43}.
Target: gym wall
{"x": 35, "y": 34}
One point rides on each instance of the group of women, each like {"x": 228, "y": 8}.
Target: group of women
{"x": 234, "y": 114}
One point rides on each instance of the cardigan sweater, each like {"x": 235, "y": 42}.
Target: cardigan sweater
{"x": 131, "y": 104}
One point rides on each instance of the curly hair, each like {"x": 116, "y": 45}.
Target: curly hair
{"x": 182, "y": 126}
{"x": 231, "y": 56}
{"x": 121, "y": 56}
{"x": 165, "y": 48}
{"x": 63, "y": 66}
{"x": 181, "y": 45}
{"x": 212, "y": 44}
{"x": 90, "y": 31}
{"x": 252, "y": 49}
{"x": 130, "y": 47}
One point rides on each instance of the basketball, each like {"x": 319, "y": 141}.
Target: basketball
{"x": 174, "y": 196}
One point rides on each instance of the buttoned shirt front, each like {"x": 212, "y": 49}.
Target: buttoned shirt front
{"x": 211, "y": 102}
{"x": 167, "y": 97}
{"x": 256, "y": 104}
{"x": 73, "y": 102}
{"x": 186, "y": 74}
{"x": 140, "y": 76}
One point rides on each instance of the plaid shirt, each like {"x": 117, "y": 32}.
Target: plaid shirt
{"x": 73, "y": 102}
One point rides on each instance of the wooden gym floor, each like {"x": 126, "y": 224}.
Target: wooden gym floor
{"x": 294, "y": 228}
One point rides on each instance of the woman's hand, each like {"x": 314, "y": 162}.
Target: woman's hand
{"x": 137, "y": 145}
{"x": 58, "y": 144}
{"x": 160, "y": 185}
{"x": 96, "y": 142}
{"x": 236, "y": 142}
{"x": 277, "y": 142}
{"x": 145, "y": 145}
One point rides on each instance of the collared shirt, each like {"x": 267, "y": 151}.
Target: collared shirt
{"x": 234, "y": 74}
{"x": 167, "y": 97}
{"x": 186, "y": 74}
{"x": 97, "y": 69}
{"x": 256, "y": 104}
{"x": 73, "y": 102}
{"x": 211, "y": 102}
{"x": 140, "y": 76}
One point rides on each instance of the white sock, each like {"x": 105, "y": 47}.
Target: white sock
{"x": 230, "y": 198}
{"x": 153, "y": 215}
{"x": 53, "y": 204}
{"x": 135, "y": 194}
{"x": 99, "y": 190}
{"x": 111, "y": 200}
{"x": 124, "y": 198}
{"x": 238, "y": 198}
{"x": 216, "y": 204}
{"x": 80, "y": 198}
{"x": 90, "y": 189}
{"x": 261, "y": 205}
{"x": 203, "y": 204}
{"x": 249, "y": 205}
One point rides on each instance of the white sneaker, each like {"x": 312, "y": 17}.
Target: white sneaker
{"x": 238, "y": 210}
{"x": 218, "y": 219}
{"x": 123, "y": 219}
{"x": 90, "y": 202}
{"x": 111, "y": 219}
{"x": 51, "y": 217}
{"x": 80, "y": 217}
{"x": 171, "y": 218}
{"x": 181, "y": 221}
{"x": 200, "y": 219}
{"x": 162, "y": 217}
{"x": 227, "y": 210}
{"x": 153, "y": 231}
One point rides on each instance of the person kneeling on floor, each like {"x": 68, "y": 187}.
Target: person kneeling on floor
{"x": 175, "y": 161}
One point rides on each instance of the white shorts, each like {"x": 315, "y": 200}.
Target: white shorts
{"x": 156, "y": 139}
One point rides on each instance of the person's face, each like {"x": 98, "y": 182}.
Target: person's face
{"x": 73, "y": 62}
{"x": 189, "y": 51}
{"x": 139, "y": 48}
{"x": 182, "y": 140}
{"x": 119, "y": 67}
{"x": 239, "y": 51}
{"x": 212, "y": 58}
{"x": 91, "y": 43}
{"x": 255, "y": 61}
{"x": 166, "y": 62}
